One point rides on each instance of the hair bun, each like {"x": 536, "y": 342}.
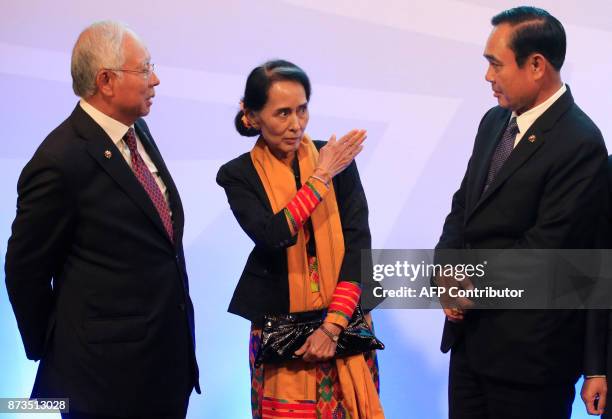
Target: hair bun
{"x": 242, "y": 128}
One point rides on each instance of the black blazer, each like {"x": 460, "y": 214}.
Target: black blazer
{"x": 99, "y": 291}
{"x": 605, "y": 327}
{"x": 548, "y": 195}
{"x": 263, "y": 286}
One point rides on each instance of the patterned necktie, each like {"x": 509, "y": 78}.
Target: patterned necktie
{"x": 147, "y": 181}
{"x": 502, "y": 151}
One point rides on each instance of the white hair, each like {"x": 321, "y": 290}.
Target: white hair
{"x": 99, "y": 46}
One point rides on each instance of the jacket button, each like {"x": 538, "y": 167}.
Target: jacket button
{"x": 181, "y": 307}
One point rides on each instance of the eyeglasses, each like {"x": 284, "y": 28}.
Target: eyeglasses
{"x": 146, "y": 73}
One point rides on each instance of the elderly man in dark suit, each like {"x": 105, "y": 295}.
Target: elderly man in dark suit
{"x": 95, "y": 269}
{"x": 535, "y": 180}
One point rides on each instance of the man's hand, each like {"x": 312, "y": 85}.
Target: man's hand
{"x": 454, "y": 307}
{"x": 454, "y": 315}
{"x": 594, "y": 391}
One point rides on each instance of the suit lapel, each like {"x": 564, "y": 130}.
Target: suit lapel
{"x": 176, "y": 205}
{"x": 98, "y": 145}
{"x": 522, "y": 152}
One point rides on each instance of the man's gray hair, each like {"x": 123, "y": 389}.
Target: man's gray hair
{"x": 99, "y": 46}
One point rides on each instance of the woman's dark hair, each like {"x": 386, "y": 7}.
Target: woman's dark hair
{"x": 535, "y": 30}
{"x": 258, "y": 84}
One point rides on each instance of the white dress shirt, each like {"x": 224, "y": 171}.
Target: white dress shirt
{"x": 116, "y": 130}
{"x": 526, "y": 119}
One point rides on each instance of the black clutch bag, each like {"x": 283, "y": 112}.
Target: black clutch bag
{"x": 283, "y": 334}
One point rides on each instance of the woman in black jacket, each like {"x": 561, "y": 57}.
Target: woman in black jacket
{"x": 303, "y": 205}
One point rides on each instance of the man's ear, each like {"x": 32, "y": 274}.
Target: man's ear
{"x": 537, "y": 65}
{"x": 105, "y": 81}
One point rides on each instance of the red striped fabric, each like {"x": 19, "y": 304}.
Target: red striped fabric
{"x": 349, "y": 286}
{"x": 276, "y": 415}
{"x": 304, "y": 213}
{"x": 345, "y": 298}
{"x": 301, "y": 206}
{"x": 274, "y": 403}
{"x": 350, "y": 293}
{"x": 349, "y": 300}
{"x": 293, "y": 209}
{"x": 310, "y": 196}
{"x": 275, "y": 408}
{"x": 346, "y": 310}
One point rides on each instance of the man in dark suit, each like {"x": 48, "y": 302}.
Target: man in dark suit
{"x": 598, "y": 386}
{"x": 95, "y": 269}
{"x": 535, "y": 180}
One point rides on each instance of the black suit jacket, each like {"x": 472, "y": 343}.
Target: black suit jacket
{"x": 548, "y": 195}
{"x": 605, "y": 327}
{"x": 263, "y": 286}
{"x": 99, "y": 291}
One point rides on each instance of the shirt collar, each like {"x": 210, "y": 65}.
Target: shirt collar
{"x": 113, "y": 128}
{"x": 526, "y": 119}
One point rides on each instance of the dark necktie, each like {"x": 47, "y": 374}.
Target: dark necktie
{"x": 146, "y": 179}
{"x": 502, "y": 151}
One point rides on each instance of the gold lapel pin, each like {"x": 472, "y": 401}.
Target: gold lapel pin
{"x": 531, "y": 138}
{"x": 108, "y": 154}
